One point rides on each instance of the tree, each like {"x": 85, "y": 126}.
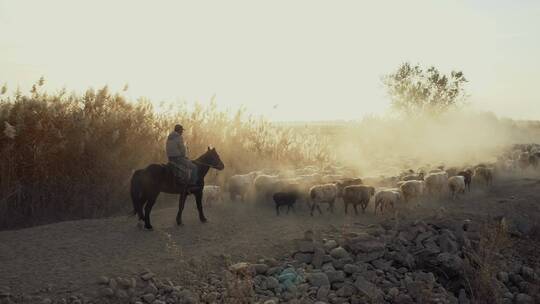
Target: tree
{"x": 415, "y": 91}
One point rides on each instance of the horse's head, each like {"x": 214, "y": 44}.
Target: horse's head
{"x": 212, "y": 158}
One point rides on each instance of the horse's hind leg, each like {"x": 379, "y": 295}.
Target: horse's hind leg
{"x": 147, "y": 210}
{"x": 198, "y": 199}
{"x": 181, "y": 204}
{"x": 139, "y": 210}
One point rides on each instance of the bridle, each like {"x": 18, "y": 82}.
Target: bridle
{"x": 203, "y": 163}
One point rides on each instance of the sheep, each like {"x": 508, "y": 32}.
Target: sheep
{"x": 331, "y": 178}
{"x": 523, "y": 160}
{"x": 484, "y": 175}
{"x": 410, "y": 177}
{"x": 357, "y": 195}
{"x": 467, "y": 178}
{"x": 285, "y": 199}
{"x": 510, "y": 165}
{"x": 211, "y": 194}
{"x": 412, "y": 189}
{"x": 240, "y": 184}
{"x": 436, "y": 183}
{"x": 533, "y": 160}
{"x": 325, "y": 193}
{"x": 264, "y": 185}
{"x": 387, "y": 197}
{"x": 456, "y": 184}
{"x": 347, "y": 182}
{"x": 452, "y": 171}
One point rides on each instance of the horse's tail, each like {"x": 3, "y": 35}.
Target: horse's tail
{"x": 136, "y": 190}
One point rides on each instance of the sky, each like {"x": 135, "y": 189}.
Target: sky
{"x": 283, "y": 59}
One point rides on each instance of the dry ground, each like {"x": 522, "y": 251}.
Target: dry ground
{"x": 70, "y": 256}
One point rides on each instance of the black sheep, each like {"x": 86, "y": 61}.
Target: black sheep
{"x": 467, "y": 174}
{"x": 285, "y": 199}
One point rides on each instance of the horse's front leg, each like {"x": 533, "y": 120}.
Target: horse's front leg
{"x": 198, "y": 199}
{"x": 181, "y": 204}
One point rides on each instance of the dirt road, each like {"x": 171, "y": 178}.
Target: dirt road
{"x": 70, "y": 256}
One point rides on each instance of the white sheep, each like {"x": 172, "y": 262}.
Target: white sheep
{"x": 323, "y": 194}
{"x": 386, "y": 198}
{"x": 483, "y": 175}
{"x": 211, "y": 194}
{"x": 456, "y": 184}
{"x": 265, "y": 185}
{"x": 239, "y": 185}
{"x": 524, "y": 160}
{"x": 436, "y": 183}
{"x": 412, "y": 190}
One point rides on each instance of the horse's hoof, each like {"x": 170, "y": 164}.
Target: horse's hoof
{"x": 149, "y": 228}
{"x": 179, "y": 224}
{"x": 204, "y": 220}
{"x": 140, "y": 225}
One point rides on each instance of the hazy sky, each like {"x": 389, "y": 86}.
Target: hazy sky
{"x": 315, "y": 60}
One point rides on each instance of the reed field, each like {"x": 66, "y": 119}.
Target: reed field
{"x": 66, "y": 156}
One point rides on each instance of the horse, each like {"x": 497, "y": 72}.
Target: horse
{"x": 146, "y": 184}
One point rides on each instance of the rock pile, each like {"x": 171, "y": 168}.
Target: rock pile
{"x": 414, "y": 263}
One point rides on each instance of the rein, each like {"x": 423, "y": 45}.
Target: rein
{"x": 203, "y": 163}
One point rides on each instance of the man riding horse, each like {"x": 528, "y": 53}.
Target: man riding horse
{"x": 177, "y": 154}
{"x": 184, "y": 177}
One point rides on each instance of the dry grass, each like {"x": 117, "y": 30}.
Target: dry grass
{"x": 71, "y": 156}
{"x": 484, "y": 262}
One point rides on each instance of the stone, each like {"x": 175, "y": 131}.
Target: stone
{"x": 335, "y": 276}
{"x": 450, "y": 263}
{"x": 149, "y": 298}
{"x": 113, "y": 284}
{"x": 339, "y": 264}
{"x": 381, "y": 264}
{"x": 272, "y": 283}
{"x": 527, "y": 273}
{"x": 329, "y": 245}
{"x": 188, "y": 297}
{"x": 503, "y": 276}
{"x": 158, "y": 302}
{"x": 121, "y": 294}
{"x": 339, "y": 253}
{"x": 366, "y": 257}
{"x": 516, "y": 278}
{"x": 305, "y": 246}
{"x": 318, "y": 258}
{"x": 103, "y": 280}
{"x": 151, "y": 288}
{"x": 393, "y": 292}
{"x": 447, "y": 244}
{"x": 260, "y": 268}
{"x": 351, "y": 268}
{"x": 108, "y": 292}
{"x": 463, "y": 299}
{"x": 322, "y": 293}
{"x": 309, "y": 235}
{"x": 318, "y": 279}
{"x": 211, "y": 297}
{"x": 147, "y": 276}
{"x": 403, "y": 299}
{"x": 524, "y": 299}
{"x": 306, "y": 258}
{"x": 346, "y": 291}
{"x": 368, "y": 289}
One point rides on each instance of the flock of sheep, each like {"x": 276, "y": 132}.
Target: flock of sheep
{"x": 317, "y": 186}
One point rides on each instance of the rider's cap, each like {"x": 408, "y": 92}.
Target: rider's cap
{"x": 178, "y": 128}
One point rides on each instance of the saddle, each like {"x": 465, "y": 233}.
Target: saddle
{"x": 184, "y": 173}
